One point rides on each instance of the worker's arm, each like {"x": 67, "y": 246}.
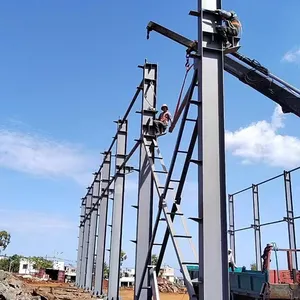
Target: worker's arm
{"x": 231, "y": 259}
{"x": 223, "y": 13}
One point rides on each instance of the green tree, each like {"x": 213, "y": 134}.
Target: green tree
{"x": 253, "y": 267}
{"x": 123, "y": 257}
{"x": 154, "y": 259}
{"x": 105, "y": 270}
{"x": 40, "y": 262}
{"x": 14, "y": 263}
{"x": 4, "y": 264}
{"x": 4, "y": 239}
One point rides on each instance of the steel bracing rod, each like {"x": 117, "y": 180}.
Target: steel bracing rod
{"x": 231, "y": 219}
{"x": 80, "y": 245}
{"x": 290, "y": 216}
{"x": 242, "y": 229}
{"x": 178, "y": 196}
{"x": 162, "y": 207}
{"x": 105, "y": 191}
{"x": 102, "y": 226}
{"x": 268, "y": 223}
{"x": 93, "y": 234}
{"x": 117, "y": 216}
{"x": 121, "y": 123}
{"x": 256, "y": 226}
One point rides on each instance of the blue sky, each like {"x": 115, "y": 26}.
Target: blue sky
{"x": 69, "y": 68}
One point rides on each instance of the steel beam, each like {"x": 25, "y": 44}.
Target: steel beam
{"x": 93, "y": 233}
{"x": 213, "y": 256}
{"x": 102, "y": 225}
{"x": 85, "y": 240}
{"x": 231, "y": 224}
{"x": 290, "y": 216}
{"x": 117, "y": 214}
{"x": 145, "y": 192}
{"x": 80, "y": 244}
{"x": 256, "y": 226}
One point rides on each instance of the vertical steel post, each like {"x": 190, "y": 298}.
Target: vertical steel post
{"x": 231, "y": 224}
{"x": 290, "y": 216}
{"x": 256, "y": 226}
{"x": 80, "y": 243}
{"x": 86, "y": 239}
{"x": 213, "y": 257}
{"x": 102, "y": 225}
{"x": 93, "y": 234}
{"x": 117, "y": 214}
{"x": 145, "y": 193}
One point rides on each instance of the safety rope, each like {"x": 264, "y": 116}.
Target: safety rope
{"x": 187, "y": 69}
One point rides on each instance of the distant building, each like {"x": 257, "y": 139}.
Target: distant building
{"x": 27, "y": 267}
{"x": 70, "y": 273}
{"x": 167, "y": 273}
{"x": 58, "y": 265}
{"x": 127, "y": 278}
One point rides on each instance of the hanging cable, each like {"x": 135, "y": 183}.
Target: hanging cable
{"x": 187, "y": 69}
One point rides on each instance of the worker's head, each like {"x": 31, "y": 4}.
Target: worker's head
{"x": 229, "y": 251}
{"x": 164, "y": 107}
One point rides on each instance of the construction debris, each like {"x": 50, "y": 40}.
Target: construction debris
{"x": 165, "y": 286}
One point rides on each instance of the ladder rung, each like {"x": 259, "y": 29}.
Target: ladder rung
{"x": 196, "y": 161}
{"x": 157, "y": 244}
{"x": 146, "y": 287}
{"x": 169, "y": 188}
{"x": 175, "y": 213}
{"x": 182, "y": 236}
{"x": 182, "y": 151}
{"x": 157, "y": 157}
{"x": 195, "y": 102}
{"x": 135, "y": 206}
{"x": 174, "y": 180}
{"x": 191, "y": 120}
{"x": 162, "y": 219}
{"x": 133, "y": 241}
{"x": 161, "y": 172}
{"x": 189, "y": 263}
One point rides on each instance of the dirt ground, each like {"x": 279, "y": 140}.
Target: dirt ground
{"x": 54, "y": 290}
{"x": 128, "y": 295}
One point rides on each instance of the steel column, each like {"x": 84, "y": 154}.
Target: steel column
{"x": 102, "y": 225}
{"x": 145, "y": 193}
{"x": 231, "y": 224}
{"x": 80, "y": 244}
{"x": 93, "y": 234}
{"x": 117, "y": 214}
{"x": 256, "y": 226}
{"x": 213, "y": 257}
{"x": 290, "y": 216}
{"x": 86, "y": 240}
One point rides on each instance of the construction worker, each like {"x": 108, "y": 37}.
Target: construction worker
{"x": 231, "y": 262}
{"x": 231, "y": 28}
{"x": 161, "y": 124}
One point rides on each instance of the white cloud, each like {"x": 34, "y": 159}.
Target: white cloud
{"x": 41, "y": 156}
{"x": 261, "y": 142}
{"x": 33, "y": 222}
{"x": 292, "y": 56}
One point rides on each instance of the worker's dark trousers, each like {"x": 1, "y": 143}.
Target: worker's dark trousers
{"x": 159, "y": 126}
{"x": 226, "y": 32}
{"x": 231, "y": 266}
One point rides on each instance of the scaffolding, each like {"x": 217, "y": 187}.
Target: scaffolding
{"x": 204, "y": 97}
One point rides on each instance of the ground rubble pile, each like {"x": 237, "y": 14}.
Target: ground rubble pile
{"x": 165, "y": 286}
{"x": 11, "y": 288}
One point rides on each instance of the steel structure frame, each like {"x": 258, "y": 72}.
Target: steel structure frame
{"x": 257, "y": 225}
{"x": 208, "y": 134}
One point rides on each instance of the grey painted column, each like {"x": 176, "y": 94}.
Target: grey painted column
{"x": 256, "y": 226}
{"x": 117, "y": 214}
{"x": 145, "y": 193}
{"x": 85, "y": 240}
{"x": 290, "y": 216}
{"x": 80, "y": 244}
{"x": 93, "y": 233}
{"x": 102, "y": 225}
{"x": 213, "y": 257}
{"x": 231, "y": 224}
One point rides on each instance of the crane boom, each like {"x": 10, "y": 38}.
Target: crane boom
{"x": 248, "y": 71}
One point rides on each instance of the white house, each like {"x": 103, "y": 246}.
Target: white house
{"x": 58, "y": 265}
{"x": 167, "y": 273}
{"x": 127, "y": 278}
{"x": 26, "y": 267}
